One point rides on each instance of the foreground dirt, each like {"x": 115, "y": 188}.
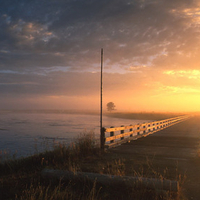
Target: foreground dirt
{"x": 171, "y": 153}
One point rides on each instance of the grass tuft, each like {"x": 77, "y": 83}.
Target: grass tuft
{"x": 20, "y": 179}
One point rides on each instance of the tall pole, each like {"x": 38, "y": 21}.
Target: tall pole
{"x": 101, "y": 113}
{"x": 102, "y": 133}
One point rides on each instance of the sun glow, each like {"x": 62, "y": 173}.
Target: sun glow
{"x": 191, "y": 74}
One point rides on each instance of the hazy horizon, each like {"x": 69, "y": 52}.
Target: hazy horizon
{"x": 90, "y": 111}
{"x": 50, "y": 54}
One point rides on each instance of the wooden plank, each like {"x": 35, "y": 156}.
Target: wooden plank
{"x": 146, "y": 128}
{"x": 107, "y": 139}
{"x": 119, "y": 128}
{"x": 135, "y": 137}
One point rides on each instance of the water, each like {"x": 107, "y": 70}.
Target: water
{"x": 24, "y": 134}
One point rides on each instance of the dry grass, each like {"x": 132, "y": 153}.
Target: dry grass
{"x": 58, "y": 192}
{"x": 20, "y": 179}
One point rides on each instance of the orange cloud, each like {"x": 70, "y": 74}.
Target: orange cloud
{"x": 190, "y": 74}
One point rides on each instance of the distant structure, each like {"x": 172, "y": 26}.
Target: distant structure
{"x": 110, "y": 106}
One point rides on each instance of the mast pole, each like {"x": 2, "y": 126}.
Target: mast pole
{"x": 101, "y": 100}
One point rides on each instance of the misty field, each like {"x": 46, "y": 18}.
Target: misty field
{"x": 144, "y": 115}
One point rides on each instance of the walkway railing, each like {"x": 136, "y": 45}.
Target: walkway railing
{"x": 113, "y": 136}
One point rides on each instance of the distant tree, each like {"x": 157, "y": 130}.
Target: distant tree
{"x": 110, "y": 106}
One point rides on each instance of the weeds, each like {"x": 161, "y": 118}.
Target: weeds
{"x": 20, "y": 179}
{"x": 46, "y": 193}
{"x": 116, "y": 167}
{"x": 12, "y": 172}
{"x": 59, "y": 192}
{"x": 85, "y": 144}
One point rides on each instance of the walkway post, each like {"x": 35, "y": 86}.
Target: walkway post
{"x": 102, "y": 132}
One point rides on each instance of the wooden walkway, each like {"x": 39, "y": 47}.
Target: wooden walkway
{"x": 111, "y": 137}
{"x": 171, "y": 152}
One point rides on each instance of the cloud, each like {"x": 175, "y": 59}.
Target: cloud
{"x": 29, "y": 33}
{"x": 52, "y": 47}
{"x": 174, "y": 90}
{"x": 190, "y": 74}
{"x": 126, "y": 29}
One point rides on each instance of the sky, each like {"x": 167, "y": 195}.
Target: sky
{"x": 50, "y": 54}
